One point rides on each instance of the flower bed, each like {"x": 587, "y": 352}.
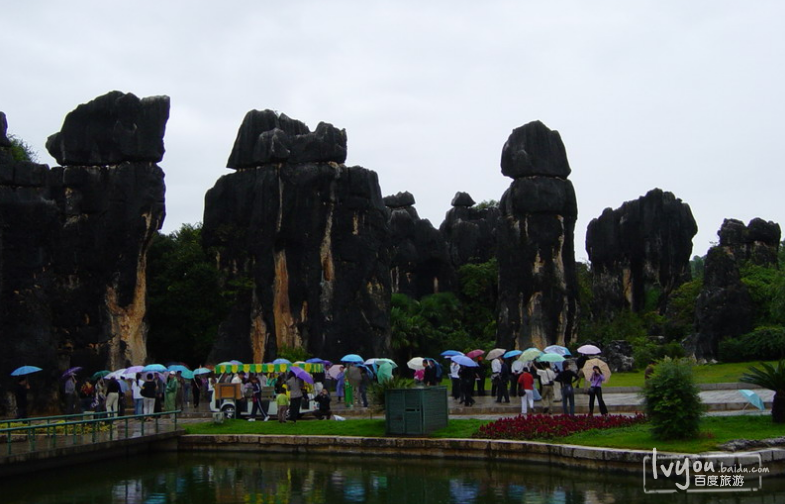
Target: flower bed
{"x": 551, "y": 426}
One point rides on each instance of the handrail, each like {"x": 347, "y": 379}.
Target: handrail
{"x": 50, "y": 418}
{"x": 50, "y": 429}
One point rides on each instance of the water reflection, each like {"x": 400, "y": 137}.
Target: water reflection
{"x": 272, "y": 479}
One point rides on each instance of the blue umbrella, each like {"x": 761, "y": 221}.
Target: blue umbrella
{"x": 155, "y": 368}
{"x": 315, "y": 360}
{"x": 351, "y": 358}
{"x": 282, "y": 361}
{"x": 25, "y": 370}
{"x": 450, "y": 353}
{"x": 512, "y": 353}
{"x": 558, "y": 349}
{"x": 201, "y": 371}
{"x": 177, "y": 367}
{"x": 753, "y": 398}
{"x": 464, "y": 361}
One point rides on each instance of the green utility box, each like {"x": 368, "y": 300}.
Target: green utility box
{"x": 416, "y": 411}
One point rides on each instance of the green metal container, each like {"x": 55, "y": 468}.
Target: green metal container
{"x": 416, "y": 411}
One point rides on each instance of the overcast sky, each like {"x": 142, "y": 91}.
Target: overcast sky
{"x": 684, "y": 96}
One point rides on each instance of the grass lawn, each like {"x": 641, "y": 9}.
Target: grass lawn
{"x": 709, "y": 373}
{"x": 714, "y": 430}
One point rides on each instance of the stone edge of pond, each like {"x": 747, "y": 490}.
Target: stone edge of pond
{"x": 560, "y": 455}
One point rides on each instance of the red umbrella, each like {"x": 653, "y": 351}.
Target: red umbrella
{"x": 475, "y": 353}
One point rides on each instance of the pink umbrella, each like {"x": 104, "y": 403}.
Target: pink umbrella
{"x": 334, "y": 371}
{"x": 475, "y": 353}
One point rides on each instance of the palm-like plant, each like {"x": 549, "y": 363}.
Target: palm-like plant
{"x": 770, "y": 378}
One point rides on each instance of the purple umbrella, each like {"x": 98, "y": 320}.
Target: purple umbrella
{"x": 71, "y": 372}
{"x": 301, "y": 374}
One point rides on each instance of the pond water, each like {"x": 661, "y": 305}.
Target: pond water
{"x": 255, "y": 478}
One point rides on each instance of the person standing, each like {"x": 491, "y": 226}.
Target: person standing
{"x": 429, "y": 373}
{"x": 595, "y": 390}
{"x": 149, "y": 395}
{"x": 20, "y": 392}
{"x": 547, "y": 377}
{"x": 172, "y": 387}
{"x": 112, "y": 397}
{"x": 295, "y": 396}
{"x": 323, "y": 400}
{"x": 516, "y": 368}
{"x": 354, "y": 377}
{"x": 526, "y": 385}
{"x": 364, "y": 381}
{"x": 481, "y": 370}
{"x": 502, "y": 394}
{"x": 282, "y": 402}
{"x": 257, "y": 399}
{"x": 136, "y": 393}
{"x": 467, "y": 383}
{"x": 567, "y": 377}
{"x": 71, "y": 396}
{"x": 496, "y": 368}
{"x": 455, "y": 378}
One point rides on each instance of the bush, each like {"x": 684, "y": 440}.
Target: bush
{"x": 764, "y": 343}
{"x": 646, "y": 351}
{"x": 379, "y": 390}
{"x": 672, "y": 400}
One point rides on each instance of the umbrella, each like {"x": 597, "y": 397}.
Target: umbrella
{"x": 174, "y": 368}
{"x": 475, "y": 353}
{"x": 134, "y": 369}
{"x": 464, "y": 361}
{"x": 550, "y": 357}
{"x": 301, "y": 374}
{"x": 71, "y": 371}
{"x": 201, "y": 371}
{"x": 315, "y": 360}
{"x": 450, "y": 353}
{"x": 557, "y": 349}
{"x": 156, "y": 368}
{"x": 351, "y": 358}
{"x": 512, "y": 353}
{"x": 496, "y": 352}
{"x": 187, "y": 374}
{"x": 530, "y": 354}
{"x": 416, "y": 363}
{"x": 116, "y": 374}
{"x": 753, "y": 399}
{"x": 100, "y": 374}
{"x": 389, "y": 361}
{"x": 281, "y": 361}
{"x": 604, "y": 369}
{"x": 235, "y": 362}
{"x": 334, "y": 371}
{"x": 589, "y": 350}
{"x": 25, "y": 370}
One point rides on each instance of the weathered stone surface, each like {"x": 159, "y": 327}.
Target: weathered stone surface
{"x": 470, "y": 232}
{"x": 724, "y": 308}
{"x": 619, "y": 356}
{"x": 533, "y": 149}
{"x": 420, "y": 260}
{"x": 266, "y": 137}
{"x": 4, "y": 141}
{"x": 758, "y": 242}
{"x": 111, "y": 129}
{"x": 73, "y": 245}
{"x": 310, "y": 244}
{"x": 535, "y": 236}
{"x": 643, "y": 246}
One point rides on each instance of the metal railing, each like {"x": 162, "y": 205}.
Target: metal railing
{"x": 56, "y": 431}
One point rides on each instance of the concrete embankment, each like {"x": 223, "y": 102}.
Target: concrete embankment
{"x": 605, "y": 459}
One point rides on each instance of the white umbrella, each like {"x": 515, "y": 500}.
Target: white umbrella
{"x": 416, "y": 363}
{"x": 588, "y": 369}
{"x": 589, "y": 350}
{"x": 496, "y": 352}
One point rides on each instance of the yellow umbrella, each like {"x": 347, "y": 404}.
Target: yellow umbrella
{"x": 588, "y": 369}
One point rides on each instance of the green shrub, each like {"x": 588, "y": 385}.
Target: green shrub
{"x": 379, "y": 390}
{"x": 764, "y": 343}
{"x": 672, "y": 400}
{"x": 646, "y": 351}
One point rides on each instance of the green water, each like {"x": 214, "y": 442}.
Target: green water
{"x": 270, "y": 479}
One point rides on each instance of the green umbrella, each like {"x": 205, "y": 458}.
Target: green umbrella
{"x": 550, "y": 357}
{"x": 530, "y": 354}
{"x": 99, "y": 374}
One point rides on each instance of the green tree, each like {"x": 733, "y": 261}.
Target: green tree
{"x": 672, "y": 400}
{"x": 697, "y": 267}
{"x": 185, "y": 302}
{"x": 21, "y": 150}
{"x": 770, "y": 378}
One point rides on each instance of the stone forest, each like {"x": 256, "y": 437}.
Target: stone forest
{"x": 300, "y": 255}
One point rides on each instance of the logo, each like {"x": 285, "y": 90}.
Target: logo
{"x": 732, "y": 472}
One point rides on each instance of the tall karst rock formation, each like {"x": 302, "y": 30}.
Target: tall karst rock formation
{"x": 470, "y": 231}
{"x": 74, "y": 238}
{"x": 420, "y": 260}
{"x": 537, "y": 276}
{"x": 640, "y": 251}
{"x": 724, "y": 308}
{"x": 304, "y": 241}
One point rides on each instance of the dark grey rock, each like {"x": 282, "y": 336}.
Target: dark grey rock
{"x": 112, "y": 129}
{"x": 644, "y": 245}
{"x": 266, "y": 137}
{"x": 470, "y": 232}
{"x": 4, "y": 141}
{"x": 400, "y": 200}
{"x": 533, "y": 149}
{"x": 462, "y": 199}
{"x": 619, "y": 356}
